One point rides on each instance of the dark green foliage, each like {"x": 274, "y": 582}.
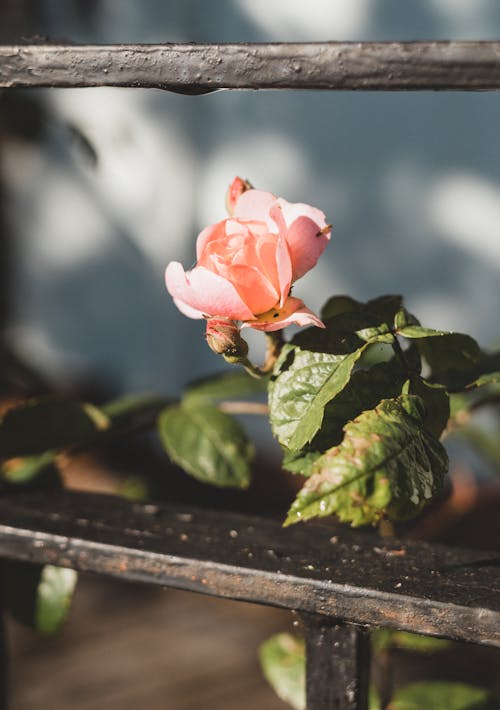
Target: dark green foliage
{"x": 387, "y": 464}
{"x": 51, "y": 423}
{"x": 207, "y": 443}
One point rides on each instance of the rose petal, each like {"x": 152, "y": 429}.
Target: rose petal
{"x": 206, "y": 292}
{"x": 293, "y": 210}
{"x": 284, "y": 264}
{"x": 307, "y": 234}
{"x": 256, "y": 291}
{"x": 293, "y": 312}
{"x": 306, "y": 244}
{"x": 255, "y": 205}
{"x": 210, "y": 233}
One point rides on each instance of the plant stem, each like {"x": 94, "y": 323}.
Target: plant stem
{"x": 398, "y": 351}
{"x": 274, "y": 345}
{"x": 252, "y": 369}
{"x": 244, "y": 407}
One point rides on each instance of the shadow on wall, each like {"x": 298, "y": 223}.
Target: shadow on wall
{"x": 411, "y": 183}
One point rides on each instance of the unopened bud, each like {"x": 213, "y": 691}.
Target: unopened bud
{"x": 235, "y": 190}
{"x": 223, "y": 337}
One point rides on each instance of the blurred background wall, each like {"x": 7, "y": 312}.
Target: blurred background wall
{"x": 104, "y": 186}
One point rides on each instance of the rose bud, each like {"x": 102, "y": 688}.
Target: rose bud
{"x": 235, "y": 190}
{"x": 223, "y": 337}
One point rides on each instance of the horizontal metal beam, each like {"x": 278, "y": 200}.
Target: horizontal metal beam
{"x": 344, "y": 574}
{"x": 200, "y": 68}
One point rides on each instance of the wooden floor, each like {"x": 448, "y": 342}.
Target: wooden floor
{"x": 127, "y": 647}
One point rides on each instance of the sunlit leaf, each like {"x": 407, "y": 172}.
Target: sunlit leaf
{"x": 283, "y": 662}
{"x": 207, "y": 443}
{"x": 55, "y": 591}
{"x": 303, "y": 383}
{"x": 365, "y": 390}
{"x": 404, "y": 319}
{"x": 417, "y": 331}
{"x": 491, "y": 378}
{"x": 25, "y": 469}
{"x": 387, "y": 464}
{"x": 38, "y": 596}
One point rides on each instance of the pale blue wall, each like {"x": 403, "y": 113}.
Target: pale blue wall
{"x": 411, "y": 183}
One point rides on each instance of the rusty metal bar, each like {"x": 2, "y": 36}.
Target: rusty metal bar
{"x": 200, "y": 68}
{"x": 350, "y": 576}
{"x": 337, "y": 665}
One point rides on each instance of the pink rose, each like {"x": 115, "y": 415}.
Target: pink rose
{"x": 248, "y": 262}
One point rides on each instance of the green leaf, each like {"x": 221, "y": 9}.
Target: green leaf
{"x": 225, "y": 385}
{"x": 55, "y": 592}
{"x": 336, "y": 305}
{"x": 25, "y": 470}
{"x": 440, "y": 695}
{"x": 418, "y": 643}
{"x": 460, "y": 403}
{"x": 131, "y": 406}
{"x": 384, "y": 308}
{"x": 437, "y": 404}
{"x": 134, "y": 488}
{"x": 404, "y": 319}
{"x": 349, "y": 321}
{"x": 207, "y": 443}
{"x": 38, "y": 596}
{"x": 52, "y": 423}
{"x": 491, "y": 378}
{"x": 365, "y": 390}
{"x": 412, "y": 358}
{"x": 302, "y": 385}
{"x": 283, "y": 662}
{"x": 417, "y": 331}
{"x": 339, "y": 336}
{"x": 383, "y": 639}
{"x": 387, "y": 464}
{"x": 482, "y": 391}
{"x": 452, "y": 357}
{"x": 374, "y": 701}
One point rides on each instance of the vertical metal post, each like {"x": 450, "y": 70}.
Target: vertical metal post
{"x": 4, "y": 665}
{"x": 4, "y": 656}
{"x": 337, "y": 665}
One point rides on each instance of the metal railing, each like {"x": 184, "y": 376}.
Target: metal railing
{"x": 198, "y": 68}
{"x": 353, "y": 582}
